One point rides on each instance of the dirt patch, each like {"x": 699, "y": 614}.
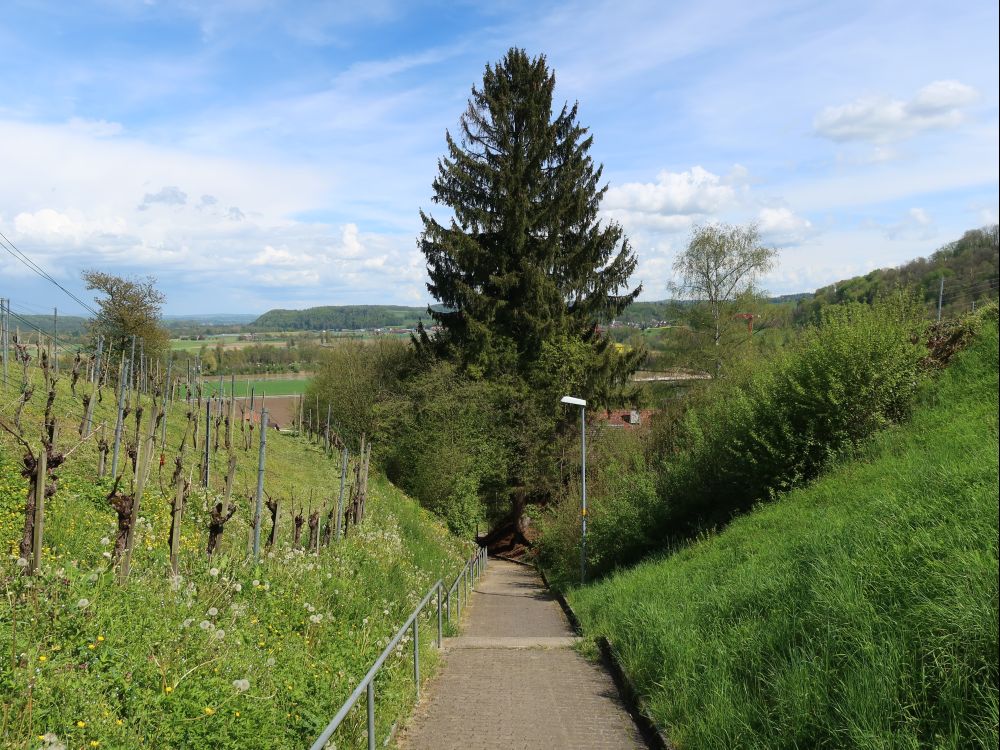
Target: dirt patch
{"x": 281, "y": 410}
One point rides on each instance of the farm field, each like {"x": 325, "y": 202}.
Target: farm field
{"x": 276, "y": 386}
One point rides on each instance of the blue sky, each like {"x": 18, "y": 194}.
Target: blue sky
{"x": 260, "y": 154}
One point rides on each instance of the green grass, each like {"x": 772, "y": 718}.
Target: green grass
{"x": 133, "y": 668}
{"x": 860, "y": 611}
{"x": 187, "y": 345}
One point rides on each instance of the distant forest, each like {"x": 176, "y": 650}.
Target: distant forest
{"x": 970, "y": 267}
{"x": 341, "y": 318}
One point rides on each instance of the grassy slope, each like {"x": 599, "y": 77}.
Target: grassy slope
{"x": 858, "y": 612}
{"x": 128, "y": 668}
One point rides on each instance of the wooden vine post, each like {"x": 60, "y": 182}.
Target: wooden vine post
{"x": 143, "y": 453}
{"x": 38, "y": 530}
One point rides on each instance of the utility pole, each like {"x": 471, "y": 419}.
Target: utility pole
{"x": 131, "y": 361}
{"x": 340, "y": 500}
{"x": 123, "y": 376}
{"x": 326, "y": 447}
{"x": 940, "y": 299}
{"x": 260, "y": 485}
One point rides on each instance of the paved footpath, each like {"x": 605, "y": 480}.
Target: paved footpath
{"x": 513, "y": 681}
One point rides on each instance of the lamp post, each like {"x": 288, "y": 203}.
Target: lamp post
{"x": 572, "y": 401}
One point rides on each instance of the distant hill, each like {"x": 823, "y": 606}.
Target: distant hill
{"x": 68, "y": 325}
{"x": 171, "y": 321}
{"x": 970, "y": 267}
{"x": 341, "y": 318}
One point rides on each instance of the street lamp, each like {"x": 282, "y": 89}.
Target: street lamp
{"x": 573, "y": 401}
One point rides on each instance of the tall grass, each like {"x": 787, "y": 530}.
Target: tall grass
{"x": 860, "y": 611}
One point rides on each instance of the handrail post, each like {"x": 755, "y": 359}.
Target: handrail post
{"x": 371, "y": 714}
{"x": 440, "y": 628}
{"x": 416, "y": 655}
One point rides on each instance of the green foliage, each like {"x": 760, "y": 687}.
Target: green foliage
{"x": 525, "y": 259}
{"x": 860, "y": 611}
{"x": 621, "y": 498}
{"x": 129, "y": 307}
{"x": 448, "y": 445}
{"x": 340, "y": 318}
{"x": 355, "y": 379}
{"x": 768, "y": 427}
{"x": 779, "y": 424}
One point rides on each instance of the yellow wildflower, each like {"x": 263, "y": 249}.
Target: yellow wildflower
{"x": 208, "y": 710}
{"x": 43, "y": 657}
{"x": 168, "y": 689}
{"x": 81, "y": 724}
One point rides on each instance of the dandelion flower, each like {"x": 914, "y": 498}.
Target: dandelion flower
{"x": 81, "y": 724}
{"x": 21, "y": 562}
{"x": 105, "y": 541}
{"x": 241, "y": 686}
{"x": 214, "y": 572}
{"x": 205, "y": 625}
{"x": 220, "y": 634}
{"x": 208, "y": 710}
{"x": 83, "y": 603}
{"x": 100, "y": 639}
{"x": 212, "y": 612}
{"x": 168, "y": 689}
{"x": 95, "y": 743}
{"x": 238, "y": 587}
{"x": 43, "y": 657}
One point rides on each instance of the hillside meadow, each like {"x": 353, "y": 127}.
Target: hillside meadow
{"x": 229, "y": 654}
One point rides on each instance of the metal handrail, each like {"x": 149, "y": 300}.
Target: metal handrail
{"x": 474, "y": 566}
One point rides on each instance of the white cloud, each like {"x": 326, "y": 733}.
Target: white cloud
{"x": 50, "y": 226}
{"x": 171, "y": 195}
{"x": 782, "y": 226}
{"x": 96, "y": 128}
{"x": 675, "y": 201}
{"x": 696, "y": 191}
{"x": 880, "y": 120}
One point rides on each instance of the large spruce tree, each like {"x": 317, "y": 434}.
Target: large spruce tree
{"x": 524, "y": 260}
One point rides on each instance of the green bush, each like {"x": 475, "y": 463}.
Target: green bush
{"x": 621, "y": 501}
{"x": 768, "y": 427}
{"x": 777, "y": 427}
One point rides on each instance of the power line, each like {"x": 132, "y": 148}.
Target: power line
{"x": 26, "y": 261}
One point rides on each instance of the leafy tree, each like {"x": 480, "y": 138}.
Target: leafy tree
{"x": 524, "y": 259}
{"x": 524, "y": 272}
{"x": 128, "y": 307}
{"x": 718, "y": 271}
